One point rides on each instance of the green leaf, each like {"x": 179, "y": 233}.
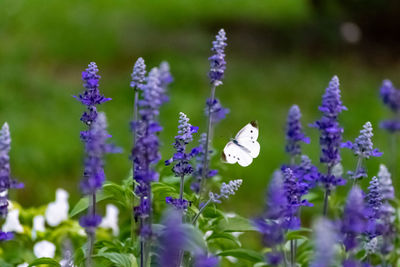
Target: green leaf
{"x": 301, "y": 233}
{"x": 41, "y": 261}
{"x": 235, "y": 224}
{"x": 226, "y": 236}
{"x": 83, "y": 203}
{"x": 120, "y": 259}
{"x": 242, "y": 253}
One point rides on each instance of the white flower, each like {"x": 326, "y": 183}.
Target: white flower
{"x": 12, "y": 223}
{"x": 44, "y": 249}
{"x": 57, "y": 211}
{"x": 111, "y": 219}
{"x": 38, "y": 225}
{"x": 23, "y": 265}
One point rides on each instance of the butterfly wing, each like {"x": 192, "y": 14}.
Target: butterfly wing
{"x": 247, "y": 138}
{"x": 234, "y": 154}
{"x": 250, "y": 131}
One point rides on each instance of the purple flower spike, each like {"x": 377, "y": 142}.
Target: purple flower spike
{"x": 181, "y": 157}
{"x": 294, "y": 132}
{"x": 374, "y": 207}
{"x": 5, "y": 177}
{"x": 96, "y": 147}
{"x": 354, "y": 218}
{"x": 363, "y": 146}
{"x": 385, "y": 182}
{"x": 324, "y": 241}
{"x": 91, "y": 96}
{"x": 226, "y": 190}
{"x": 138, "y": 74}
{"x": 218, "y": 112}
{"x": 217, "y": 60}
{"x": 390, "y": 95}
{"x": 165, "y": 75}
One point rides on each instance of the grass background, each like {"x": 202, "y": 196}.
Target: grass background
{"x": 279, "y": 53}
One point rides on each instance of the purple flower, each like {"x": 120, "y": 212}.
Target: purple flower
{"x": 294, "y": 132}
{"x": 138, "y": 74}
{"x": 294, "y": 191}
{"x": 5, "y": 177}
{"x": 203, "y": 260}
{"x": 391, "y": 126}
{"x": 217, "y": 60}
{"x": 199, "y": 164}
{"x": 363, "y": 146}
{"x": 96, "y": 147}
{"x": 324, "y": 241}
{"x": 390, "y": 95}
{"x": 374, "y": 207}
{"x": 331, "y": 132}
{"x": 271, "y": 230}
{"x": 385, "y": 182}
{"x": 91, "y": 96}
{"x": 165, "y": 75}
{"x": 354, "y": 218}
{"x": 274, "y": 258}
{"x": 218, "y": 112}
{"x": 306, "y": 173}
{"x": 90, "y": 221}
{"x": 172, "y": 240}
{"x": 180, "y": 204}
{"x": 226, "y": 190}
{"x": 182, "y": 166}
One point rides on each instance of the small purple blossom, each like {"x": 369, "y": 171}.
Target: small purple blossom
{"x": 363, "y": 146}
{"x": 353, "y": 222}
{"x": 218, "y": 112}
{"x": 391, "y": 126}
{"x": 217, "y": 60}
{"x": 138, "y": 74}
{"x": 324, "y": 240}
{"x": 226, "y": 190}
{"x": 91, "y": 96}
{"x": 180, "y": 204}
{"x": 306, "y": 173}
{"x": 165, "y": 75}
{"x": 294, "y": 132}
{"x": 90, "y": 221}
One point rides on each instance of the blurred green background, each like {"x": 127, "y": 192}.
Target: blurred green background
{"x": 279, "y": 53}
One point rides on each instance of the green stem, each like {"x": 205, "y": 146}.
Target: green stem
{"x": 206, "y": 145}
{"x": 200, "y": 211}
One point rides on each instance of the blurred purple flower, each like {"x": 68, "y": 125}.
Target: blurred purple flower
{"x": 6, "y": 182}
{"x": 390, "y": 95}
{"x": 353, "y": 222}
{"x": 294, "y": 132}
{"x": 325, "y": 238}
{"x": 165, "y": 75}
{"x": 218, "y": 112}
{"x": 205, "y": 261}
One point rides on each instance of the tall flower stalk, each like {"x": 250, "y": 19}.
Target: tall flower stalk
{"x": 182, "y": 159}
{"x": 6, "y": 182}
{"x": 216, "y": 75}
{"x": 330, "y": 137}
{"x": 94, "y": 139}
{"x": 363, "y": 149}
{"x": 145, "y": 156}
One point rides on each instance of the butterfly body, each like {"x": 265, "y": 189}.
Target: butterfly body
{"x": 244, "y": 147}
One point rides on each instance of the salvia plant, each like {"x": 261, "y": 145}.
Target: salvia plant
{"x": 315, "y": 211}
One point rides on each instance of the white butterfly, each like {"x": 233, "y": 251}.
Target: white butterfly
{"x": 244, "y": 147}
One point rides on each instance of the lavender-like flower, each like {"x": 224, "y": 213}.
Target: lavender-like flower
{"x": 138, "y": 74}
{"x": 353, "y": 222}
{"x": 226, "y": 191}
{"x": 330, "y": 136}
{"x": 217, "y": 60}
{"x": 324, "y": 242}
{"x": 306, "y": 173}
{"x": 165, "y": 75}
{"x": 391, "y": 98}
{"x": 294, "y": 191}
{"x": 271, "y": 224}
{"x": 182, "y": 166}
{"x": 217, "y": 111}
{"x": 294, "y": 132}
{"x": 5, "y": 177}
{"x": 91, "y": 96}
{"x": 388, "y": 228}
{"x": 374, "y": 206}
